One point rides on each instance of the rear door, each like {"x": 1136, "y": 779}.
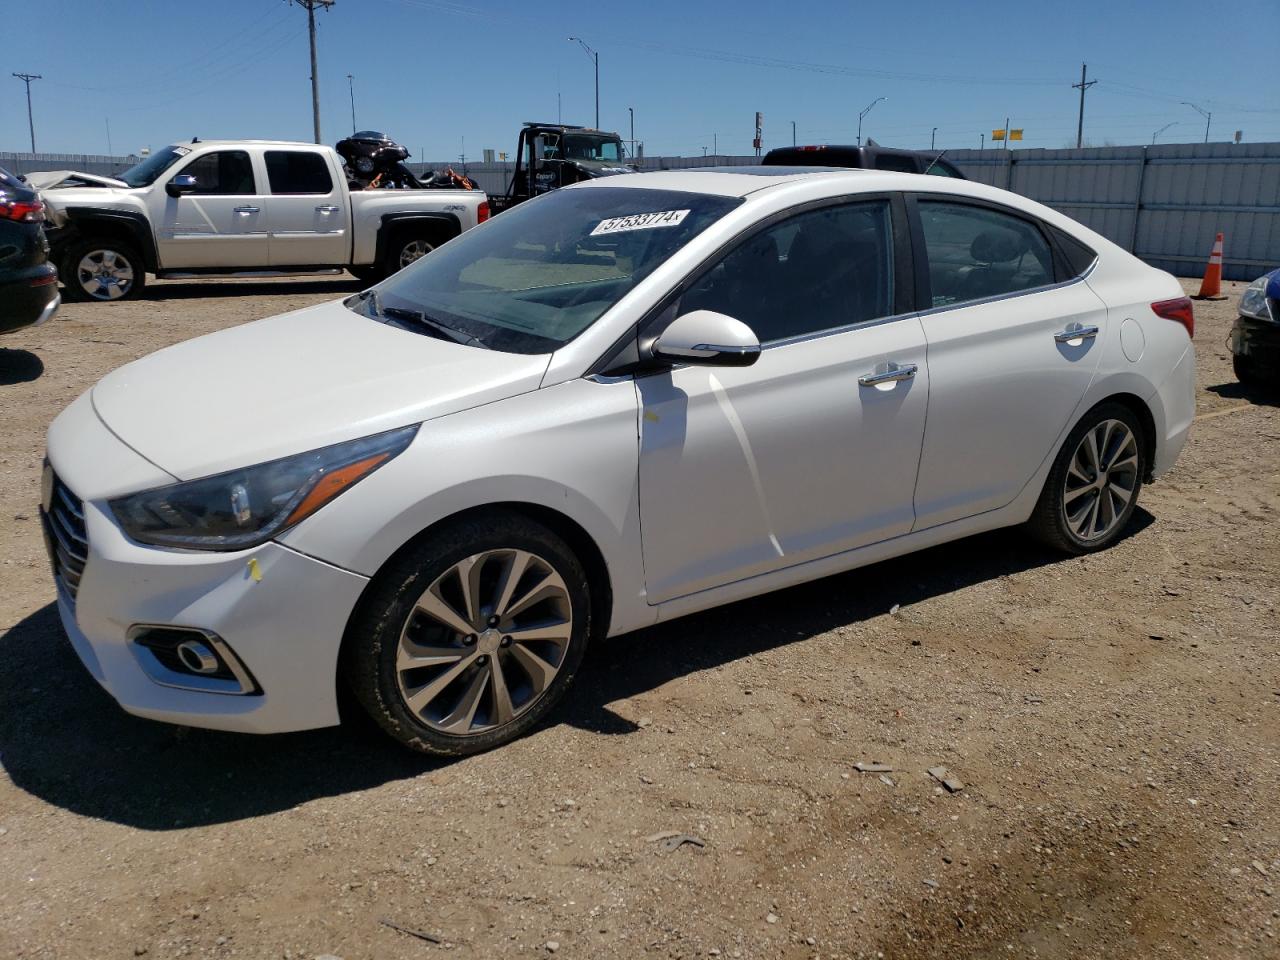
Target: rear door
{"x": 307, "y": 209}
{"x": 1005, "y": 378}
{"x": 221, "y": 224}
{"x": 746, "y": 470}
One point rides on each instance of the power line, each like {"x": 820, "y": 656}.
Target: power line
{"x": 27, "y": 78}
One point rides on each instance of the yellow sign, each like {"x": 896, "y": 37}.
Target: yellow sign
{"x": 997, "y": 134}
{"x": 1015, "y": 134}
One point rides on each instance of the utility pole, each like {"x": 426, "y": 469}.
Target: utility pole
{"x": 595, "y": 58}
{"x": 1083, "y": 85}
{"x": 982, "y": 141}
{"x": 793, "y": 133}
{"x": 351, "y": 89}
{"x": 310, "y": 6}
{"x": 933, "y": 136}
{"x": 27, "y": 78}
{"x": 632, "y": 112}
{"x": 1207, "y": 114}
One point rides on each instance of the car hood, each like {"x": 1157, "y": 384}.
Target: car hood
{"x": 52, "y": 179}
{"x": 293, "y": 383}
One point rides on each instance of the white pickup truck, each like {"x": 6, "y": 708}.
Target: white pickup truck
{"x": 238, "y": 207}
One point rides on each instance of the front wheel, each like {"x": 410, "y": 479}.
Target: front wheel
{"x": 471, "y": 637}
{"x": 102, "y": 269}
{"x": 1093, "y": 487}
{"x": 1248, "y": 371}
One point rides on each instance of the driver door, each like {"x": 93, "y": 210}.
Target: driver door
{"x": 221, "y": 223}
{"x": 747, "y": 470}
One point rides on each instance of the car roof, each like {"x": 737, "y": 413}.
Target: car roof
{"x": 741, "y": 181}
{"x": 243, "y": 143}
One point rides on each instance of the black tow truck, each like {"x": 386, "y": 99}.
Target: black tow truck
{"x": 552, "y": 155}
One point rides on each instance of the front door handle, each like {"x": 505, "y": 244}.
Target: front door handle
{"x": 247, "y": 210}
{"x": 327, "y": 208}
{"x": 1075, "y": 331}
{"x": 892, "y": 373}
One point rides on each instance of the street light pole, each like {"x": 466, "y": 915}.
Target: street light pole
{"x": 932, "y": 137}
{"x": 632, "y": 112}
{"x": 351, "y": 89}
{"x": 1162, "y": 130}
{"x": 27, "y": 78}
{"x": 1207, "y": 114}
{"x": 864, "y": 113}
{"x": 595, "y": 57}
{"x": 793, "y": 133}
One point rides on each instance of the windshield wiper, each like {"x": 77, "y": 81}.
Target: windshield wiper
{"x": 417, "y": 319}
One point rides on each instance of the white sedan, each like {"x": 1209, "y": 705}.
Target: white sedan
{"x": 619, "y": 403}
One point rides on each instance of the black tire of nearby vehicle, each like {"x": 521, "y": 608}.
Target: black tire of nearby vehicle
{"x": 1048, "y": 522}
{"x": 1249, "y": 372}
{"x": 69, "y": 268}
{"x": 395, "y": 250}
{"x": 369, "y": 651}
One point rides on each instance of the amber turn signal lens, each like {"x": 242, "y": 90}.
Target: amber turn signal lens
{"x": 332, "y": 484}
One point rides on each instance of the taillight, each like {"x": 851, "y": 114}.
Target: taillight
{"x": 482, "y": 211}
{"x": 1178, "y": 309}
{"x": 27, "y": 212}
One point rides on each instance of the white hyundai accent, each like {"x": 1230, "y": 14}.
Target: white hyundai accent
{"x": 616, "y": 404}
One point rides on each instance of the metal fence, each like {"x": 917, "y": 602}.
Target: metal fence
{"x": 1164, "y": 203}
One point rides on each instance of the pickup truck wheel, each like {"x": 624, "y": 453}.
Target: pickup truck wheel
{"x": 406, "y": 250}
{"x": 102, "y": 269}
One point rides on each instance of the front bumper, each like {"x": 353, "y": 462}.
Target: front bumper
{"x": 282, "y": 613}
{"x": 1258, "y": 339}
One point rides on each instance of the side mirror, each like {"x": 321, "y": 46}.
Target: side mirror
{"x": 707, "y": 338}
{"x": 181, "y": 184}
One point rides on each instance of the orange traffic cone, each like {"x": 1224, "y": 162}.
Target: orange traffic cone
{"x": 1211, "y": 285}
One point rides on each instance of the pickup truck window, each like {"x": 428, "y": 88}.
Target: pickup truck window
{"x": 145, "y": 173}
{"x": 534, "y": 278}
{"x": 223, "y": 173}
{"x": 298, "y": 171}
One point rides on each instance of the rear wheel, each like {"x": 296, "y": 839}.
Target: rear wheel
{"x": 471, "y": 637}
{"x": 102, "y": 269}
{"x": 407, "y": 249}
{"x": 1093, "y": 487}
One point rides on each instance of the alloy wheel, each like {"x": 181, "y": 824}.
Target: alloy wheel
{"x": 414, "y": 250}
{"x": 484, "y": 642}
{"x": 105, "y": 274}
{"x": 1101, "y": 480}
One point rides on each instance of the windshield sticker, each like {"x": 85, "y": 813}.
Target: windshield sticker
{"x": 640, "y": 221}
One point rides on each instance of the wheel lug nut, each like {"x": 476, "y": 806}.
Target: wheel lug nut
{"x": 506, "y": 641}
{"x": 469, "y": 639}
{"x": 482, "y": 660}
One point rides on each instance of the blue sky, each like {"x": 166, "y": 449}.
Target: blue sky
{"x": 432, "y": 73}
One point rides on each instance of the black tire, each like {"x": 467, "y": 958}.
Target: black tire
{"x": 79, "y": 287}
{"x": 1049, "y": 522}
{"x": 369, "y": 662}
{"x": 393, "y": 260}
{"x": 1249, "y": 372}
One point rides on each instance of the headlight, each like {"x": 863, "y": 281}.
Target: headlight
{"x": 243, "y": 508}
{"x": 1253, "y": 302}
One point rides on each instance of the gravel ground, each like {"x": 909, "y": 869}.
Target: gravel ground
{"x": 1115, "y": 721}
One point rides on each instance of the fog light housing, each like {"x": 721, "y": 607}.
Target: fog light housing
{"x": 189, "y": 658}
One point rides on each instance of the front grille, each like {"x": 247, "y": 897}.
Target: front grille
{"x": 67, "y": 539}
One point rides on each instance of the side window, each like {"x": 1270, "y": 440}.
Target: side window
{"x": 223, "y": 173}
{"x": 298, "y": 171}
{"x": 976, "y": 252}
{"x": 815, "y": 271}
{"x": 1079, "y": 257}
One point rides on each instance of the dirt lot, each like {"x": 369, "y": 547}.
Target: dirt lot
{"x": 1115, "y": 722}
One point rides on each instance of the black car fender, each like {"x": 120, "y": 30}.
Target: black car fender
{"x": 446, "y": 225}
{"x": 98, "y": 222}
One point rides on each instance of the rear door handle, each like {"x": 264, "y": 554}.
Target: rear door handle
{"x": 892, "y": 373}
{"x": 247, "y": 209}
{"x": 327, "y": 208}
{"x": 1075, "y": 331}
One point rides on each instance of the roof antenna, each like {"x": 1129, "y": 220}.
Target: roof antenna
{"x": 934, "y": 161}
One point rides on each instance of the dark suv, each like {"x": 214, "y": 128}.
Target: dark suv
{"x": 28, "y": 281}
{"x": 863, "y": 158}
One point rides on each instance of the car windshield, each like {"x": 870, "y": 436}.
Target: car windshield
{"x": 145, "y": 173}
{"x": 578, "y": 147}
{"x": 536, "y": 276}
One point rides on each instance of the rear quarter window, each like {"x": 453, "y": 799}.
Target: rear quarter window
{"x": 1076, "y": 256}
